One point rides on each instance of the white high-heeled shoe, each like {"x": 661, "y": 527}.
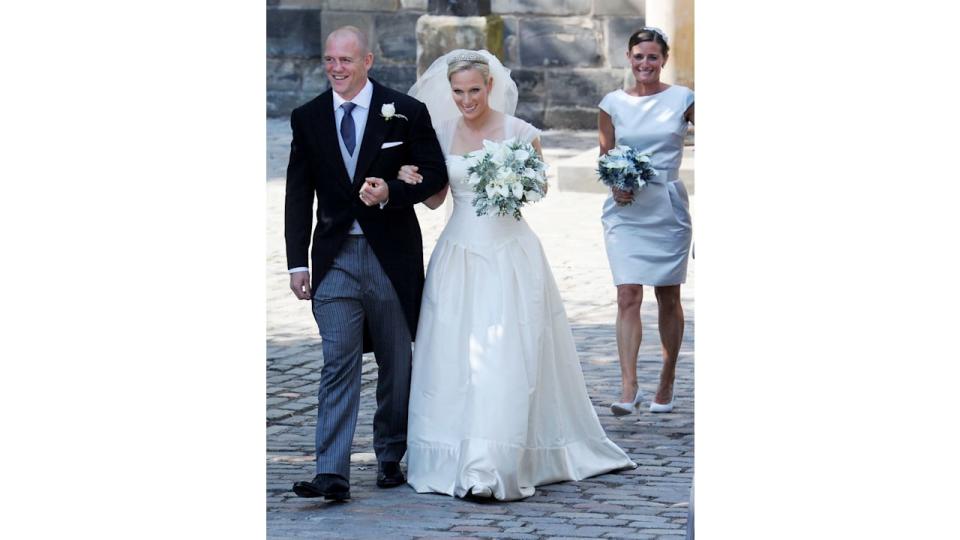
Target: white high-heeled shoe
{"x": 626, "y": 407}
{"x": 662, "y": 407}
{"x": 479, "y": 492}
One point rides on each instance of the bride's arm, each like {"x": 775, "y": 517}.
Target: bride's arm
{"x": 409, "y": 174}
{"x": 434, "y": 201}
{"x": 536, "y": 146}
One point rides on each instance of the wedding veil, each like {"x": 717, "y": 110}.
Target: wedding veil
{"x": 433, "y": 87}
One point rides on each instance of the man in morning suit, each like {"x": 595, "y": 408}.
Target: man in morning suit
{"x": 367, "y": 254}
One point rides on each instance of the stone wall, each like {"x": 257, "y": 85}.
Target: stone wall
{"x": 297, "y": 29}
{"x": 564, "y": 54}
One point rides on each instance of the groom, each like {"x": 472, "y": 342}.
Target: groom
{"x": 348, "y": 145}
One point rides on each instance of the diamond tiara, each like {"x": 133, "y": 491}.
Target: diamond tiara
{"x": 471, "y": 56}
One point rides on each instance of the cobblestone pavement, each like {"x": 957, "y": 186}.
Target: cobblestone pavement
{"x": 649, "y": 502}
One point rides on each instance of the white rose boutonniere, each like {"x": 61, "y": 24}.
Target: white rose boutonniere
{"x": 388, "y": 111}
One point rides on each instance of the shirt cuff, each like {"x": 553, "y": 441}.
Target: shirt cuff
{"x": 299, "y": 269}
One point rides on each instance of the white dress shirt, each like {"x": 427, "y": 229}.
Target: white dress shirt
{"x": 359, "y": 114}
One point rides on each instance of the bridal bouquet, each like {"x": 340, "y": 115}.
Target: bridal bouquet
{"x": 505, "y": 176}
{"x": 625, "y": 169}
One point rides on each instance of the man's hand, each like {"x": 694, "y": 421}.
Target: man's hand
{"x": 300, "y": 285}
{"x": 374, "y": 191}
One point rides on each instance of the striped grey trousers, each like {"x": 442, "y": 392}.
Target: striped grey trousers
{"x": 356, "y": 288}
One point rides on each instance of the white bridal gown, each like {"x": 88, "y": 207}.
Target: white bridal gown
{"x": 498, "y": 403}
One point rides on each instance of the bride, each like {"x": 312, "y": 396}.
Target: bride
{"x": 498, "y": 403}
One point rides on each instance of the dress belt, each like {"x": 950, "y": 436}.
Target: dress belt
{"x": 665, "y": 176}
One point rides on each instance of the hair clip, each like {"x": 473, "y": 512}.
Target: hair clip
{"x": 656, "y": 31}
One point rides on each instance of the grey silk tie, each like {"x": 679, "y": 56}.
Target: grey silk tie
{"x": 348, "y": 130}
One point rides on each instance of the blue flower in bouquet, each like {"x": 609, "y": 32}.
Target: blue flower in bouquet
{"x": 625, "y": 168}
{"x": 505, "y": 176}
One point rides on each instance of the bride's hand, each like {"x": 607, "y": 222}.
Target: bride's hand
{"x": 408, "y": 173}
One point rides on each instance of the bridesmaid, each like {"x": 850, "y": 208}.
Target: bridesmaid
{"x": 648, "y": 240}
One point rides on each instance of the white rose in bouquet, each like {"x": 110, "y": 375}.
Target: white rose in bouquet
{"x": 505, "y": 176}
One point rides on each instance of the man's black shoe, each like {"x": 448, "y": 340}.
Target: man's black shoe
{"x": 389, "y": 474}
{"x": 329, "y": 486}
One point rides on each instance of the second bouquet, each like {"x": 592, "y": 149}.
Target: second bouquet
{"x": 626, "y": 169}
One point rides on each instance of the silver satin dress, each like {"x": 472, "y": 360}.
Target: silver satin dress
{"x": 648, "y": 241}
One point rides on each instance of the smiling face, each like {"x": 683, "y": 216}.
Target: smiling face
{"x": 471, "y": 93}
{"x": 346, "y": 63}
{"x": 646, "y": 61}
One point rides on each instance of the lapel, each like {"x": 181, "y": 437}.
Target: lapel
{"x": 373, "y": 135}
{"x": 326, "y": 125}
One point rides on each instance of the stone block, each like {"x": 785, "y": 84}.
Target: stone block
{"x": 570, "y": 117}
{"x": 555, "y": 529}
{"x": 396, "y": 37}
{"x": 531, "y": 111}
{"x": 600, "y": 522}
{"x": 281, "y": 103}
{"x": 363, "y": 5}
{"x": 569, "y": 42}
{"x": 543, "y": 7}
{"x": 400, "y": 78}
{"x": 332, "y": 20}
{"x": 299, "y": 4}
{"x": 530, "y": 84}
{"x": 596, "y": 532}
{"x": 294, "y": 32}
{"x": 618, "y": 7}
{"x": 511, "y": 42}
{"x": 459, "y": 8}
{"x": 419, "y": 5}
{"x": 283, "y": 74}
{"x": 580, "y": 515}
{"x": 314, "y": 76}
{"x": 579, "y": 173}
{"x": 617, "y": 30}
{"x": 584, "y": 87}
{"x": 439, "y": 34}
